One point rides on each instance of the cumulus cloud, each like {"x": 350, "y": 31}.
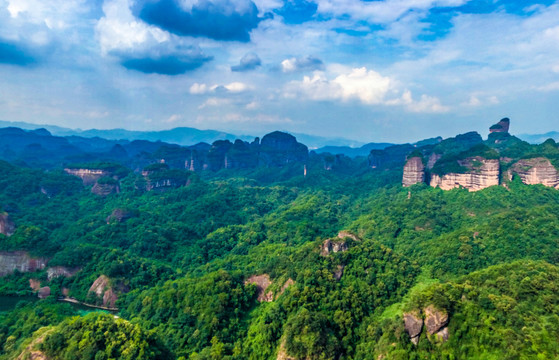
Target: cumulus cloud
{"x": 307, "y": 63}
{"x": 215, "y": 19}
{"x": 366, "y": 86}
{"x": 248, "y": 62}
{"x": 234, "y": 87}
{"x": 142, "y": 47}
{"x": 13, "y": 54}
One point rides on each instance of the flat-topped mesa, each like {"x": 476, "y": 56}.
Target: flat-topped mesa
{"x": 414, "y": 171}
{"x": 536, "y": 171}
{"x": 502, "y": 126}
{"x": 278, "y": 149}
{"x": 479, "y": 174}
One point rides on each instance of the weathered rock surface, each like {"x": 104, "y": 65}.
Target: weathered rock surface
{"x": 343, "y": 234}
{"x": 414, "y": 171}
{"x": 483, "y": 173}
{"x": 44, "y": 292}
{"x": 339, "y": 272}
{"x": 433, "y": 158}
{"x": 88, "y": 176}
{"x": 7, "y": 226}
{"x": 102, "y": 289}
{"x": 20, "y": 261}
{"x": 435, "y": 319}
{"x": 56, "y": 271}
{"x": 284, "y": 287}
{"x": 120, "y": 215}
{"x": 262, "y": 283}
{"x": 501, "y": 126}
{"x": 332, "y": 246}
{"x": 105, "y": 189}
{"x": 536, "y": 171}
{"x": 413, "y": 324}
{"x": 34, "y": 284}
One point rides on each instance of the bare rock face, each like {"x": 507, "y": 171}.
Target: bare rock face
{"x": 435, "y": 320}
{"x": 7, "y": 227}
{"x": 88, "y": 176}
{"x": 414, "y": 171}
{"x": 262, "y": 283}
{"x": 44, "y": 292}
{"x": 344, "y": 234}
{"x": 120, "y": 215}
{"x": 34, "y": 284}
{"x": 20, "y": 261}
{"x": 502, "y": 126}
{"x": 105, "y": 189}
{"x": 102, "y": 289}
{"x": 57, "y": 271}
{"x": 482, "y": 174}
{"x": 284, "y": 287}
{"x": 413, "y": 324}
{"x": 537, "y": 171}
{"x": 339, "y": 272}
{"x": 433, "y": 158}
{"x": 332, "y": 246}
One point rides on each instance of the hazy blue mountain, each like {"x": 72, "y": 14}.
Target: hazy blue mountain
{"x": 539, "y": 138}
{"x": 351, "y": 151}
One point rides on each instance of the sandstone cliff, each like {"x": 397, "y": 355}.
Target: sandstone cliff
{"x": 501, "y": 126}
{"x": 20, "y": 261}
{"x": 88, "y": 176}
{"x": 414, "y": 171}
{"x": 479, "y": 173}
{"x": 536, "y": 171}
{"x": 102, "y": 289}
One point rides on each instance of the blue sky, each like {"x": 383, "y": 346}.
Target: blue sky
{"x": 385, "y": 70}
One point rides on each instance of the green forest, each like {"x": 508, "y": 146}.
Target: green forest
{"x": 272, "y": 263}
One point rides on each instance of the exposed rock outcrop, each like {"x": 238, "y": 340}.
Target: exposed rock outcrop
{"x": 105, "y": 189}
{"x": 262, "y": 283}
{"x": 343, "y": 234}
{"x": 501, "y": 126}
{"x": 88, "y": 176}
{"x": 120, "y": 215}
{"x": 7, "y": 226}
{"x": 433, "y": 158}
{"x": 480, "y": 173}
{"x": 101, "y": 287}
{"x": 536, "y": 171}
{"x": 413, "y": 324}
{"x": 20, "y": 261}
{"x": 332, "y": 246}
{"x": 284, "y": 287}
{"x": 44, "y": 292}
{"x": 339, "y": 272}
{"x": 414, "y": 171}
{"x": 435, "y": 319}
{"x": 57, "y": 271}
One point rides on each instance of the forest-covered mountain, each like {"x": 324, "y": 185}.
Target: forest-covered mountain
{"x": 445, "y": 249}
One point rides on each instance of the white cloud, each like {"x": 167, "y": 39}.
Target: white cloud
{"x": 213, "y": 101}
{"x": 234, "y": 87}
{"x": 366, "y": 86}
{"x": 119, "y": 29}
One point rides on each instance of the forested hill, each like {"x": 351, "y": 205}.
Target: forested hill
{"x": 264, "y": 250}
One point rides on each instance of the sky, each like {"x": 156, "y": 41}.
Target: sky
{"x": 377, "y": 70}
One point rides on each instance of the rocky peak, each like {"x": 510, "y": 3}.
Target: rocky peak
{"x": 536, "y": 171}
{"x": 502, "y": 126}
{"x": 332, "y": 246}
{"x": 414, "y": 171}
{"x": 435, "y": 322}
{"x": 7, "y": 226}
{"x": 278, "y": 149}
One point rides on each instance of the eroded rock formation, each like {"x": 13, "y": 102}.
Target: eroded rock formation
{"x": 501, "y": 126}
{"x": 332, "y": 246}
{"x": 101, "y": 287}
{"x": 56, "y": 271}
{"x": 20, "y": 261}
{"x": 413, "y": 324}
{"x": 262, "y": 283}
{"x": 414, "y": 171}
{"x": 482, "y": 173}
{"x": 88, "y": 176}
{"x": 537, "y": 171}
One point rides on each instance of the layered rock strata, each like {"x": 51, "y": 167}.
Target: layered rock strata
{"x": 20, "y": 261}
{"x": 483, "y": 173}
{"x": 414, "y": 171}
{"x": 537, "y": 171}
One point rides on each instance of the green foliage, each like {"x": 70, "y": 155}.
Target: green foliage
{"x": 100, "y": 336}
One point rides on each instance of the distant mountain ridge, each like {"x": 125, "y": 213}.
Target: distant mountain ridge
{"x": 185, "y": 136}
{"x": 540, "y": 138}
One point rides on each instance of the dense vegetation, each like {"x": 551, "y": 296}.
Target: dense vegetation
{"x": 179, "y": 261}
